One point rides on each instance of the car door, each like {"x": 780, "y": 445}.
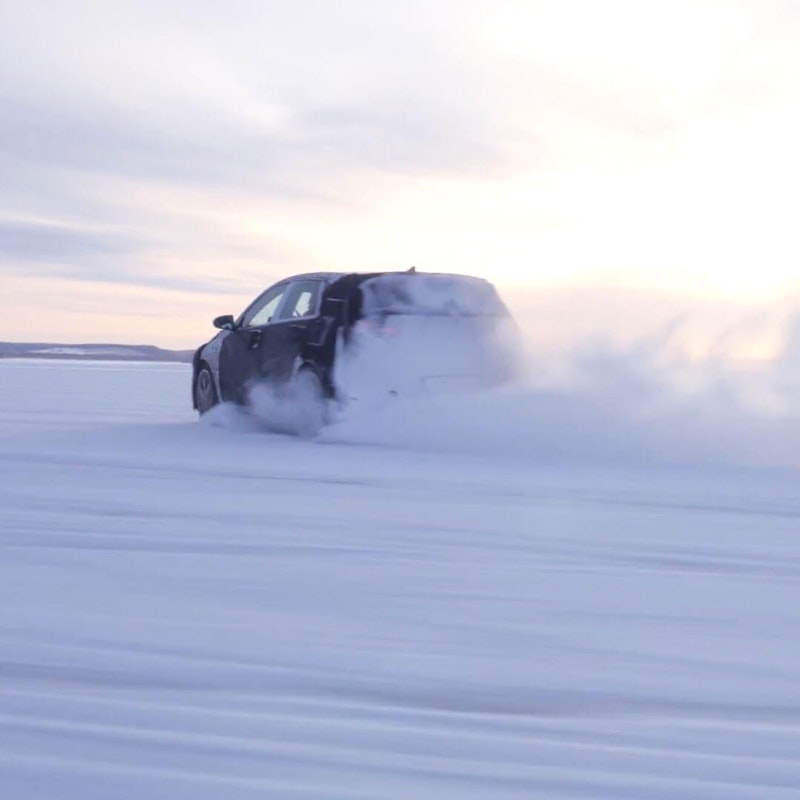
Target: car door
{"x": 269, "y": 337}
{"x": 243, "y": 349}
{"x": 294, "y": 327}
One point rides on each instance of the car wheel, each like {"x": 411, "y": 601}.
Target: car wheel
{"x": 309, "y": 402}
{"x": 205, "y": 392}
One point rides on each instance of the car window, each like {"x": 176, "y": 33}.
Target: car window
{"x": 301, "y": 300}
{"x": 263, "y": 310}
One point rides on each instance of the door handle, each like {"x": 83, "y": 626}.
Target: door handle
{"x": 297, "y": 331}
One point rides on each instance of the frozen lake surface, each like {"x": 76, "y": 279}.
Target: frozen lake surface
{"x": 420, "y": 604}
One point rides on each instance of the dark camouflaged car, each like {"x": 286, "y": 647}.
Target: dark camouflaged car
{"x": 344, "y": 335}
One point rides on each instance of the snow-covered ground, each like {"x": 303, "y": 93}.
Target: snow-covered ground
{"x": 437, "y": 600}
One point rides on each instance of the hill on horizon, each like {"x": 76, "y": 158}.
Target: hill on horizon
{"x": 107, "y": 352}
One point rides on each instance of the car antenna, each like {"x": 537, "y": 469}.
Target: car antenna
{"x": 412, "y": 269}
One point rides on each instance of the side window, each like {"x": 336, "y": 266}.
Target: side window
{"x": 302, "y": 300}
{"x": 263, "y": 310}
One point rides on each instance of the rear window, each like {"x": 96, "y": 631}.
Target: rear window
{"x": 420, "y": 294}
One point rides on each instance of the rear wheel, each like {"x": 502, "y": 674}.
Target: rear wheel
{"x": 309, "y": 402}
{"x": 205, "y": 392}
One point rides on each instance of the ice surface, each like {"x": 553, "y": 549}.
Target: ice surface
{"x": 486, "y": 596}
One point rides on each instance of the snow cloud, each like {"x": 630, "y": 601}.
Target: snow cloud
{"x": 605, "y": 397}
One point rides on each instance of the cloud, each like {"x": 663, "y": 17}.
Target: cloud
{"x": 108, "y": 142}
{"x": 38, "y": 242}
{"x": 62, "y": 251}
{"x": 267, "y": 98}
{"x": 212, "y": 141}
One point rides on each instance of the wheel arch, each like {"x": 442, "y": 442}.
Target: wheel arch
{"x": 323, "y": 374}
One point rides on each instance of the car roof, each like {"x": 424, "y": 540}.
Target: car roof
{"x": 359, "y": 277}
{"x": 314, "y": 276}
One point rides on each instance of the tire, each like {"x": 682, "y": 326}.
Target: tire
{"x": 205, "y": 391}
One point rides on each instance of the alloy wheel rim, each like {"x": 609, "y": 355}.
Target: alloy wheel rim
{"x": 204, "y": 395}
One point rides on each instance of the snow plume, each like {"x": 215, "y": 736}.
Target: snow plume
{"x": 295, "y": 410}
{"x": 627, "y": 398}
{"x": 640, "y": 401}
{"x": 673, "y": 385}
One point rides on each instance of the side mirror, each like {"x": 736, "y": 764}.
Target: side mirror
{"x": 225, "y": 322}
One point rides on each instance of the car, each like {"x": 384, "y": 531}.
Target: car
{"x": 344, "y": 337}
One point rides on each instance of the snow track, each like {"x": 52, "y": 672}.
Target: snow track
{"x": 199, "y": 612}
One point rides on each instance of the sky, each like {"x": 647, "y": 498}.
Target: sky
{"x": 605, "y": 164}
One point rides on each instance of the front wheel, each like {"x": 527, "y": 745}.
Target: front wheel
{"x": 205, "y": 392}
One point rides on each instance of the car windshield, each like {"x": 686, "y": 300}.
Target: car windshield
{"x": 430, "y": 295}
